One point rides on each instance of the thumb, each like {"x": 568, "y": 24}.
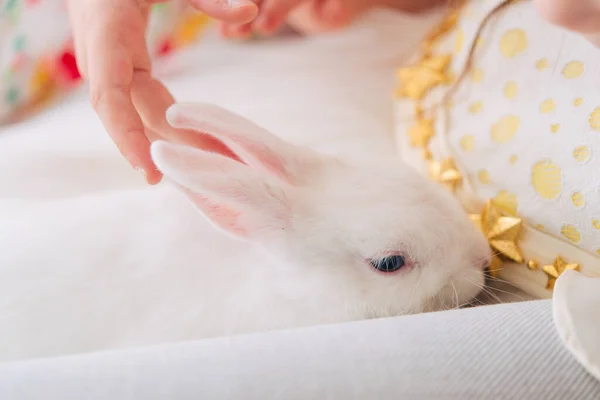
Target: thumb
{"x": 230, "y": 11}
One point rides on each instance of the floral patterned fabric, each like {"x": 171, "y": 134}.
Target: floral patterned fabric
{"x": 37, "y": 61}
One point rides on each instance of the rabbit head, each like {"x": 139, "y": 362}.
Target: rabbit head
{"x": 371, "y": 233}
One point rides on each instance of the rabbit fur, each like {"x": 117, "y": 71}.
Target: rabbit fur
{"x": 93, "y": 258}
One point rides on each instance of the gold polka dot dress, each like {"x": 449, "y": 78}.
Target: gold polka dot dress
{"x": 514, "y": 118}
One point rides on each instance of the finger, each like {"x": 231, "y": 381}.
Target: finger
{"x": 231, "y": 11}
{"x": 110, "y": 43}
{"x": 339, "y": 13}
{"x": 151, "y": 99}
{"x": 119, "y": 117}
{"x": 243, "y": 31}
{"x": 224, "y": 29}
{"x": 581, "y": 16}
{"x": 273, "y": 14}
{"x": 325, "y": 15}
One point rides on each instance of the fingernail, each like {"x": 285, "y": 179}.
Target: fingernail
{"x": 237, "y": 3}
{"x": 141, "y": 171}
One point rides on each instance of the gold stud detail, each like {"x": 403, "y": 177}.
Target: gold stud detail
{"x": 533, "y": 265}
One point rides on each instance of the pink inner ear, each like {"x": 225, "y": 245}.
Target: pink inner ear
{"x": 267, "y": 159}
{"x": 264, "y": 157}
{"x": 206, "y": 142}
{"x": 222, "y": 216}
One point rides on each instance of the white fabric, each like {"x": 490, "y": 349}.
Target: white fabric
{"x": 503, "y": 352}
{"x": 332, "y": 91}
{"x": 576, "y": 316}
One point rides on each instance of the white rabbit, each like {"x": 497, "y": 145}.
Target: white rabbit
{"x": 92, "y": 258}
{"x": 302, "y": 235}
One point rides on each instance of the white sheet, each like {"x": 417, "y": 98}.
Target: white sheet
{"x": 337, "y": 87}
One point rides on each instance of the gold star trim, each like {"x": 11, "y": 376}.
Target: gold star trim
{"x": 446, "y": 173}
{"x": 555, "y": 270}
{"x": 421, "y": 132}
{"x": 502, "y": 233}
{"x": 438, "y": 64}
{"x": 416, "y": 81}
{"x": 443, "y": 27}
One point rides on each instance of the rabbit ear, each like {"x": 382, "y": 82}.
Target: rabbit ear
{"x": 235, "y": 198}
{"x": 252, "y": 144}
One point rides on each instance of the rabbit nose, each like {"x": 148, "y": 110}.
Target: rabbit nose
{"x": 483, "y": 263}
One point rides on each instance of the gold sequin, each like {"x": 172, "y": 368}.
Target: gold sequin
{"x": 581, "y": 153}
{"x": 541, "y": 64}
{"x": 510, "y": 90}
{"x": 547, "y": 106}
{"x": 478, "y": 42}
{"x": 596, "y": 224}
{"x": 571, "y": 233}
{"x": 546, "y": 178}
{"x": 533, "y": 265}
{"x": 513, "y": 42}
{"x": 467, "y": 143}
{"x": 459, "y": 41}
{"x": 476, "y": 107}
{"x": 484, "y": 176}
{"x": 578, "y": 199}
{"x": 540, "y": 227}
{"x": 513, "y": 159}
{"x": 477, "y": 75}
{"x": 506, "y": 201}
{"x": 554, "y": 128}
{"x": 573, "y": 69}
{"x": 595, "y": 119}
{"x": 505, "y": 129}
{"x": 598, "y": 251}
{"x": 577, "y": 102}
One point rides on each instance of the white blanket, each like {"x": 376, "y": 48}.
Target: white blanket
{"x": 337, "y": 87}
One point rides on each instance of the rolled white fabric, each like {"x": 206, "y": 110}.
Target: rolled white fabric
{"x": 577, "y": 319}
{"x": 507, "y": 351}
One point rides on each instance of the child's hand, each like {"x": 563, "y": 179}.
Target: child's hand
{"x": 582, "y": 16}
{"x": 111, "y": 53}
{"x": 314, "y": 16}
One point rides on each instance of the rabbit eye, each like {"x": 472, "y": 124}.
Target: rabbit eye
{"x": 389, "y": 264}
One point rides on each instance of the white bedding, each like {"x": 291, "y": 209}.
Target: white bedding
{"x": 338, "y": 87}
